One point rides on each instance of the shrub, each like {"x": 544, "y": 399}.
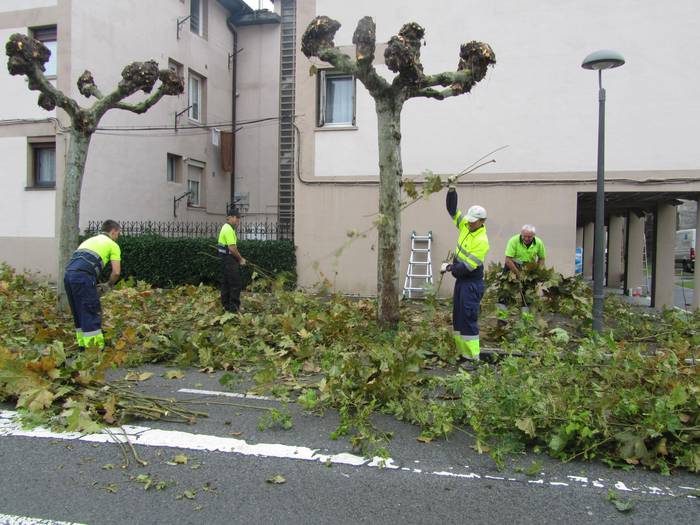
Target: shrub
{"x": 167, "y": 261}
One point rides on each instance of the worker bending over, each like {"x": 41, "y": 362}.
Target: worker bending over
{"x": 80, "y": 281}
{"x": 524, "y": 248}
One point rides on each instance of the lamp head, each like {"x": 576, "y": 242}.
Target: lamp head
{"x": 603, "y": 59}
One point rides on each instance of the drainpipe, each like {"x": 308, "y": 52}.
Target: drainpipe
{"x": 234, "y": 60}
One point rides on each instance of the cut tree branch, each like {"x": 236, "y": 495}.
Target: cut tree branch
{"x": 474, "y": 60}
{"x": 365, "y": 38}
{"x": 87, "y": 86}
{"x": 318, "y": 42}
{"x": 140, "y": 76}
{"x": 145, "y": 105}
{"x": 436, "y": 94}
{"x": 27, "y": 56}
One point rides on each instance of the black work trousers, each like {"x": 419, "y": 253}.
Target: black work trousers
{"x": 230, "y": 283}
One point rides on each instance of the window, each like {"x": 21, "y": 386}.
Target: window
{"x": 173, "y": 163}
{"x": 196, "y": 97}
{"x": 197, "y": 10}
{"x": 195, "y": 176}
{"x": 42, "y": 172}
{"x": 175, "y": 66}
{"x": 336, "y": 99}
{"x": 47, "y": 36}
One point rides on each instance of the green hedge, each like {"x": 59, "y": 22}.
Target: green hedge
{"x": 167, "y": 261}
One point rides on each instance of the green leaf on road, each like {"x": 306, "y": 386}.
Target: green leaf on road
{"x": 527, "y": 425}
{"x": 277, "y": 479}
{"x": 622, "y": 505}
{"x": 174, "y": 374}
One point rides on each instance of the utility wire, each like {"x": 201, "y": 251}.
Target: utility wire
{"x": 166, "y": 127}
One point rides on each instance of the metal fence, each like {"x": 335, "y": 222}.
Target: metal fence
{"x": 246, "y": 230}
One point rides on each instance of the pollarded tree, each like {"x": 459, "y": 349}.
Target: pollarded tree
{"x": 27, "y": 56}
{"x": 402, "y": 56}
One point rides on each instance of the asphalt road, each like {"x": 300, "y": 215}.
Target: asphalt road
{"x": 75, "y": 480}
{"x": 683, "y": 297}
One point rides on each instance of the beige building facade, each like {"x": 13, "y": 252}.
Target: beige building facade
{"x": 537, "y": 101}
{"x": 164, "y": 165}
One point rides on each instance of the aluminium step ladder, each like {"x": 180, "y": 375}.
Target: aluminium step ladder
{"x": 419, "y": 275}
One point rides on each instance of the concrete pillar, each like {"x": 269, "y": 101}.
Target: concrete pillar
{"x": 634, "y": 257}
{"x": 663, "y": 287}
{"x": 696, "y": 278}
{"x": 615, "y": 250}
{"x": 588, "y": 234}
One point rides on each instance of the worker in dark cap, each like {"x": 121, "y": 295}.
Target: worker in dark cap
{"x": 231, "y": 262}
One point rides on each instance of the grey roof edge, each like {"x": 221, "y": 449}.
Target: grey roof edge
{"x": 258, "y": 18}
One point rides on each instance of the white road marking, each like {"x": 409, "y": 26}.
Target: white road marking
{"x": 580, "y": 479}
{"x": 7, "y": 519}
{"x": 224, "y": 394}
{"x": 153, "y": 437}
{"x": 621, "y": 486}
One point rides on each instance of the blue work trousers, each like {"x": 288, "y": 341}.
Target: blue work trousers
{"x": 80, "y": 282}
{"x": 465, "y": 315}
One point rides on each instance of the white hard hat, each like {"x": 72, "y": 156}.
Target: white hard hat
{"x": 475, "y": 213}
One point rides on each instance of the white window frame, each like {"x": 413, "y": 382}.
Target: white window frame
{"x": 173, "y": 167}
{"x": 36, "y": 145}
{"x": 191, "y": 202}
{"x": 322, "y": 89}
{"x": 199, "y": 28}
{"x": 194, "y": 77}
{"x": 175, "y": 66}
{"x": 39, "y": 33}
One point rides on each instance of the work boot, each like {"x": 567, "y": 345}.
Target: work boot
{"x": 468, "y": 364}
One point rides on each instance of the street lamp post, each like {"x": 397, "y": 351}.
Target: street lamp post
{"x": 604, "y": 59}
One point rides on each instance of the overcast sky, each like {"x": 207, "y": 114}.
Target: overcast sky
{"x": 255, "y": 4}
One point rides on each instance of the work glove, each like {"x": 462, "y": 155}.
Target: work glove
{"x": 445, "y": 267}
{"x": 103, "y": 288}
{"x": 451, "y": 183}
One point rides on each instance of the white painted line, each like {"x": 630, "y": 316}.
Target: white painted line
{"x": 152, "y": 437}
{"x": 224, "y": 394}
{"x": 186, "y": 440}
{"x": 7, "y": 519}
{"x": 580, "y": 479}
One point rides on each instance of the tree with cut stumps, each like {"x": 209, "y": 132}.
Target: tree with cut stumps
{"x": 402, "y": 56}
{"x": 27, "y": 56}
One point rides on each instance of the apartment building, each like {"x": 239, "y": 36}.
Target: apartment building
{"x": 178, "y": 161}
{"x": 537, "y": 101}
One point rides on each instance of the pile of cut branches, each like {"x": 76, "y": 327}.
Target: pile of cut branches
{"x": 630, "y": 397}
{"x": 74, "y": 396}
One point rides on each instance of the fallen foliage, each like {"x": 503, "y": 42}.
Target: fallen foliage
{"x": 628, "y": 398}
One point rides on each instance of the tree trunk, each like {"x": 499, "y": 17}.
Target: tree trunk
{"x": 389, "y": 227}
{"x": 70, "y": 199}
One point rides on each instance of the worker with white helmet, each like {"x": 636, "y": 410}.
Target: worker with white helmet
{"x": 468, "y": 269}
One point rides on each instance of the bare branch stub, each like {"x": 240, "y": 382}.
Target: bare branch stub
{"x": 475, "y": 57}
{"x": 24, "y": 54}
{"x": 319, "y": 34}
{"x": 474, "y": 60}
{"x": 365, "y": 38}
{"x": 27, "y": 56}
{"x": 138, "y": 76}
{"x": 87, "y": 86}
{"x": 173, "y": 84}
{"x": 402, "y": 54}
